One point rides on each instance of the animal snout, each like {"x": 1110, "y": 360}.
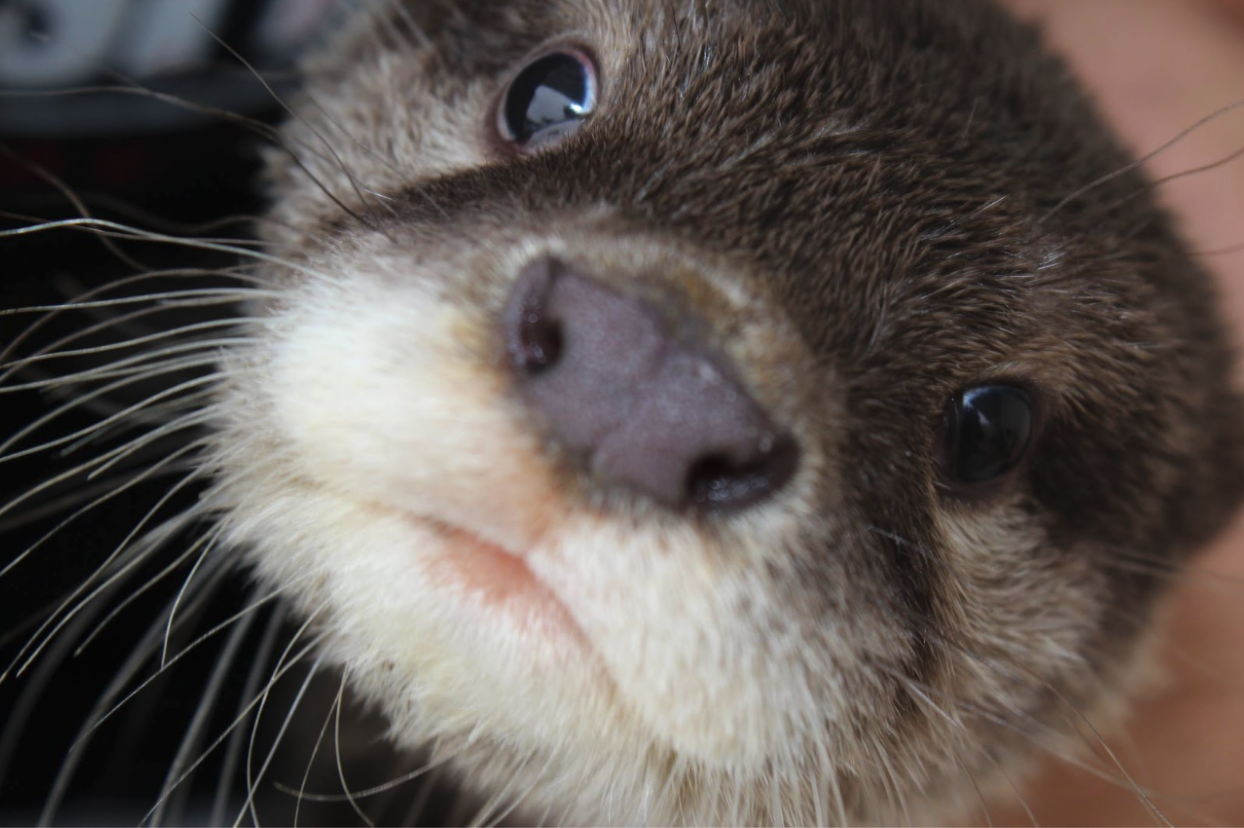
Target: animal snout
{"x": 641, "y": 405}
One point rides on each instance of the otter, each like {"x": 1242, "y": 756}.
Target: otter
{"x": 734, "y": 412}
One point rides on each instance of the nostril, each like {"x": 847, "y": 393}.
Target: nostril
{"x": 716, "y": 482}
{"x": 534, "y": 335}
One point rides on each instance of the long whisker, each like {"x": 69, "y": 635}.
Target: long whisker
{"x": 208, "y": 542}
{"x": 32, "y": 692}
{"x": 306, "y": 775}
{"x": 1182, "y": 572}
{"x": 65, "y": 190}
{"x": 264, "y": 130}
{"x": 162, "y": 415}
{"x": 207, "y": 702}
{"x": 1125, "y": 780}
{"x": 140, "y": 367}
{"x": 158, "y": 633}
{"x": 420, "y": 802}
{"x": 95, "y": 350}
{"x": 146, "y": 218}
{"x": 150, "y": 472}
{"x": 238, "y": 246}
{"x": 109, "y": 323}
{"x": 293, "y": 662}
{"x": 125, "y": 565}
{"x": 1204, "y": 168}
{"x": 252, "y": 779}
{"x": 1220, "y": 251}
{"x": 152, "y": 582}
{"x": 128, "y": 232}
{"x": 7, "y": 455}
{"x": 183, "y": 297}
{"x": 341, "y": 772}
{"x": 194, "y": 419}
{"x": 116, "y": 284}
{"x": 1114, "y": 759}
{"x": 1001, "y": 721}
{"x": 289, "y": 717}
{"x": 90, "y": 492}
{"x": 141, "y": 652}
{"x": 517, "y": 801}
{"x": 341, "y": 164}
{"x": 233, "y": 751}
{"x": 441, "y": 760}
{"x": 1218, "y": 113}
{"x": 957, "y": 723}
{"x": 1124, "y": 561}
{"x": 980, "y": 796}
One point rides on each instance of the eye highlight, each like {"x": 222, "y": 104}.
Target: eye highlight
{"x": 548, "y": 100}
{"x": 987, "y": 432}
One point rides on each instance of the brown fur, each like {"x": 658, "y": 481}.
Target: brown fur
{"x": 872, "y": 205}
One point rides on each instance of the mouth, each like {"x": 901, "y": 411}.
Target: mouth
{"x": 500, "y": 582}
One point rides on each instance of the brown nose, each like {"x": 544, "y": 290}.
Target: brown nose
{"x": 644, "y": 409}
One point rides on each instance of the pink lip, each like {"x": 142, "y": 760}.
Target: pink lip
{"x": 500, "y": 580}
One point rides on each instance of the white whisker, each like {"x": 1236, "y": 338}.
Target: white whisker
{"x": 114, "y": 485}
{"x": 341, "y": 771}
{"x": 140, "y": 477}
{"x": 95, "y": 350}
{"x": 193, "y": 419}
{"x": 177, "y": 563}
{"x": 32, "y": 692}
{"x": 171, "y": 298}
{"x": 138, "y": 365}
{"x": 250, "y": 690}
{"x": 107, "y": 322}
{"x": 194, "y": 731}
{"x": 164, "y": 414}
{"x": 141, "y": 652}
{"x": 7, "y": 455}
{"x": 158, "y": 633}
{"x": 441, "y": 760}
{"x": 253, "y": 779}
{"x": 128, "y": 232}
{"x": 126, "y": 564}
{"x": 306, "y": 775}
{"x": 236, "y": 722}
{"x": 264, "y": 130}
{"x": 208, "y": 547}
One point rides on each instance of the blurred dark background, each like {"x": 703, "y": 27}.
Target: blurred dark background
{"x": 154, "y": 153}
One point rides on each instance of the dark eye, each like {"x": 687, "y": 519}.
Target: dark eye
{"x": 987, "y": 433}
{"x": 548, "y": 100}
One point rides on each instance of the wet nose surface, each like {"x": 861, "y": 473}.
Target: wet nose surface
{"x": 644, "y": 408}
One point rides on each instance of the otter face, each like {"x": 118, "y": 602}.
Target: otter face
{"x": 732, "y": 415}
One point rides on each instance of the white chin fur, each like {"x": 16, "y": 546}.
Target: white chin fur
{"x": 383, "y": 405}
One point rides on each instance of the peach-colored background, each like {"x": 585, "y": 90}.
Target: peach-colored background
{"x": 1157, "y": 67}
